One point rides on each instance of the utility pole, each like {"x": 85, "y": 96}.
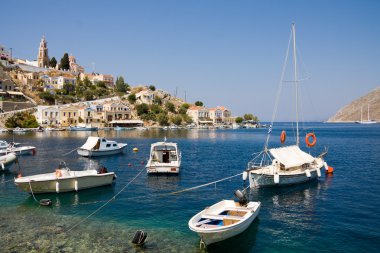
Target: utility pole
{"x": 185, "y": 95}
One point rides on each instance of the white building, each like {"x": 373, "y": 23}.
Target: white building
{"x": 145, "y": 96}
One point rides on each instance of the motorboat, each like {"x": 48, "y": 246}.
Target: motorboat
{"x": 164, "y": 158}
{"x": 65, "y": 180}
{"x": 223, "y": 220}
{"x": 53, "y": 129}
{"x": 12, "y": 147}
{"x": 119, "y": 128}
{"x": 82, "y": 128}
{"x": 100, "y": 146}
{"x": 287, "y": 164}
{"x": 20, "y": 130}
{"x": 7, "y": 160}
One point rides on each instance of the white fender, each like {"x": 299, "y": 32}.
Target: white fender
{"x": 245, "y": 175}
{"x": 2, "y": 166}
{"x": 276, "y": 178}
{"x": 307, "y": 172}
{"x": 57, "y": 187}
{"x": 325, "y": 164}
{"x": 76, "y": 185}
{"x": 319, "y": 172}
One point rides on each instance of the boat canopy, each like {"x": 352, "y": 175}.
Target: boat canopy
{"x": 291, "y": 156}
{"x": 91, "y": 143}
{"x": 164, "y": 148}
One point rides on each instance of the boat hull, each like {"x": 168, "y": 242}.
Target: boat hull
{"x": 93, "y": 153}
{"x": 66, "y": 184}
{"x": 162, "y": 169}
{"x": 6, "y": 161}
{"x": 28, "y": 150}
{"x": 221, "y": 233}
{"x": 263, "y": 180}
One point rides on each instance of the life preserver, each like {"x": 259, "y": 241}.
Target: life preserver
{"x": 283, "y": 137}
{"x": 312, "y": 144}
{"x": 58, "y": 173}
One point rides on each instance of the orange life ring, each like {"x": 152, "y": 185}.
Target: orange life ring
{"x": 312, "y": 144}
{"x": 58, "y": 173}
{"x": 283, "y": 137}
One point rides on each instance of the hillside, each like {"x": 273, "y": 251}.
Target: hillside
{"x": 351, "y": 112}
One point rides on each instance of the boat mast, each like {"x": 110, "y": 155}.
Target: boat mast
{"x": 368, "y": 112}
{"x": 295, "y": 78}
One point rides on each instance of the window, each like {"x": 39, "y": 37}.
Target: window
{"x": 114, "y": 145}
{"x": 103, "y": 140}
{"x": 108, "y": 145}
{"x": 45, "y": 114}
{"x": 64, "y": 114}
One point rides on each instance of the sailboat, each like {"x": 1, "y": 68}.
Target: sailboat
{"x": 286, "y": 165}
{"x": 369, "y": 121}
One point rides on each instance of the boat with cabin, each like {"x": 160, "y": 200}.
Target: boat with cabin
{"x": 224, "y": 220}
{"x": 100, "y": 146}
{"x": 65, "y": 180}
{"x": 165, "y": 158}
{"x": 12, "y": 147}
{"x": 285, "y": 165}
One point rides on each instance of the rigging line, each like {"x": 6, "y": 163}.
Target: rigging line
{"x": 31, "y": 191}
{"x": 69, "y": 152}
{"x": 279, "y": 87}
{"x": 101, "y": 207}
{"x": 200, "y": 186}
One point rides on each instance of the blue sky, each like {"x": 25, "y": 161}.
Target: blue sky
{"x": 220, "y": 52}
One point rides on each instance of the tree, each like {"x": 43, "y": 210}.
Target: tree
{"x": 22, "y": 119}
{"x": 199, "y": 103}
{"x": 65, "y": 63}
{"x": 88, "y": 95}
{"x": 170, "y": 107}
{"x": 163, "y": 119}
{"x": 101, "y": 84}
{"x": 176, "y": 120}
{"x": 48, "y": 97}
{"x": 142, "y": 109}
{"x": 248, "y": 116}
{"x": 152, "y": 88}
{"x": 53, "y": 62}
{"x": 239, "y": 120}
{"x": 121, "y": 86}
{"x": 68, "y": 88}
{"x": 132, "y": 98}
{"x": 187, "y": 118}
{"x": 186, "y": 105}
{"x": 157, "y": 100}
{"x": 155, "y": 109}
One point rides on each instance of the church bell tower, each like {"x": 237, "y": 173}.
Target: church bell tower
{"x": 43, "y": 57}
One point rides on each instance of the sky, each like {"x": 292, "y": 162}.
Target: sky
{"x": 228, "y": 53}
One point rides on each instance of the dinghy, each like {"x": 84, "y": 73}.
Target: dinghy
{"x": 99, "y": 146}
{"x": 7, "y": 160}
{"x": 223, "y": 220}
{"x": 65, "y": 180}
{"x": 164, "y": 158}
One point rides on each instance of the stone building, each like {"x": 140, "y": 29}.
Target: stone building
{"x": 43, "y": 56}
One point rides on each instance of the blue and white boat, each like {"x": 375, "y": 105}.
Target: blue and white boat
{"x": 83, "y": 128}
{"x": 99, "y": 146}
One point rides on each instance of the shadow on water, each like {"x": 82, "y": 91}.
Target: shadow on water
{"x": 167, "y": 182}
{"x": 243, "y": 242}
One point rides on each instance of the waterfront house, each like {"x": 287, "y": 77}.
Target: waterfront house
{"x": 68, "y": 115}
{"x": 116, "y": 111}
{"x": 200, "y": 115}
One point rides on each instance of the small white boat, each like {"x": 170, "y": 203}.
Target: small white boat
{"x": 99, "y": 146}
{"x": 52, "y": 129}
{"x": 119, "y": 128}
{"x": 164, "y": 158}
{"x": 64, "y": 180}
{"x": 3, "y": 130}
{"x": 20, "y": 130}
{"x": 83, "y": 128}
{"x": 6, "y": 148}
{"x": 223, "y": 220}
{"x": 7, "y": 160}
{"x": 365, "y": 122}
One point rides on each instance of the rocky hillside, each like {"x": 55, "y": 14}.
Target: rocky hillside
{"x": 351, "y": 112}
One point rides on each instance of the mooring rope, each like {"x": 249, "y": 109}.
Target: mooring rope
{"x": 102, "y": 206}
{"x": 69, "y": 152}
{"x": 31, "y": 191}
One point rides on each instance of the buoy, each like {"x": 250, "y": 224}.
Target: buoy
{"x": 139, "y": 237}
{"x": 308, "y": 143}
{"x": 2, "y": 166}
{"x": 245, "y": 175}
{"x": 76, "y": 185}
{"x": 57, "y": 187}
{"x": 276, "y": 178}
{"x": 129, "y": 164}
{"x": 45, "y": 202}
{"x": 142, "y": 162}
{"x": 34, "y": 152}
{"x": 307, "y": 172}
{"x": 330, "y": 170}
{"x": 135, "y": 150}
{"x": 283, "y": 137}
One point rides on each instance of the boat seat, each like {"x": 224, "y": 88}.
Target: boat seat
{"x": 221, "y": 217}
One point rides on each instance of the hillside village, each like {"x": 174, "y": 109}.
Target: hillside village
{"x": 62, "y": 94}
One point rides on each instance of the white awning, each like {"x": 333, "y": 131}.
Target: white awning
{"x": 15, "y": 93}
{"x": 90, "y": 143}
{"x": 291, "y": 156}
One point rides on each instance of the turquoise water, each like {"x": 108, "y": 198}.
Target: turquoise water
{"x": 337, "y": 213}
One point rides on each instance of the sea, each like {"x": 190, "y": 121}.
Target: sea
{"x": 337, "y": 213}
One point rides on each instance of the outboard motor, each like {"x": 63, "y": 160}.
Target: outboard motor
{"x": 241, "y": 197}
{"x": 139, "y": 237}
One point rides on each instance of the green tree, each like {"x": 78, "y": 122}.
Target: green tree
{"x": 87, "y": 82}
{"x": 152, "y": 87}
{"x": 199, "y": 103}
{"x": 132, "y": 98}
{"x": 176, "y": 120}
{"x": 68, "y": 88}
{"x": 155, "y": 109}
{"x": 163, "y": 119}
{"x": 101, "y": 84}
{"x": 121, "y": 86}
{"x": 239, "y": 120}
{"x": 53, "y": 62}
{"x": 47, "y": 97}
{"x": 185, "y": 105}
{"x": 187, "y": 118}
{"x": 157, "y": 100}
{"x": 23, "y": 120}
{"x": 88, "y": 95}
{"x": 170, "y": 107}
{"x": 248, "y": 116}
{"x": 65, "y": 63}
{"x": 142, "y": 109}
